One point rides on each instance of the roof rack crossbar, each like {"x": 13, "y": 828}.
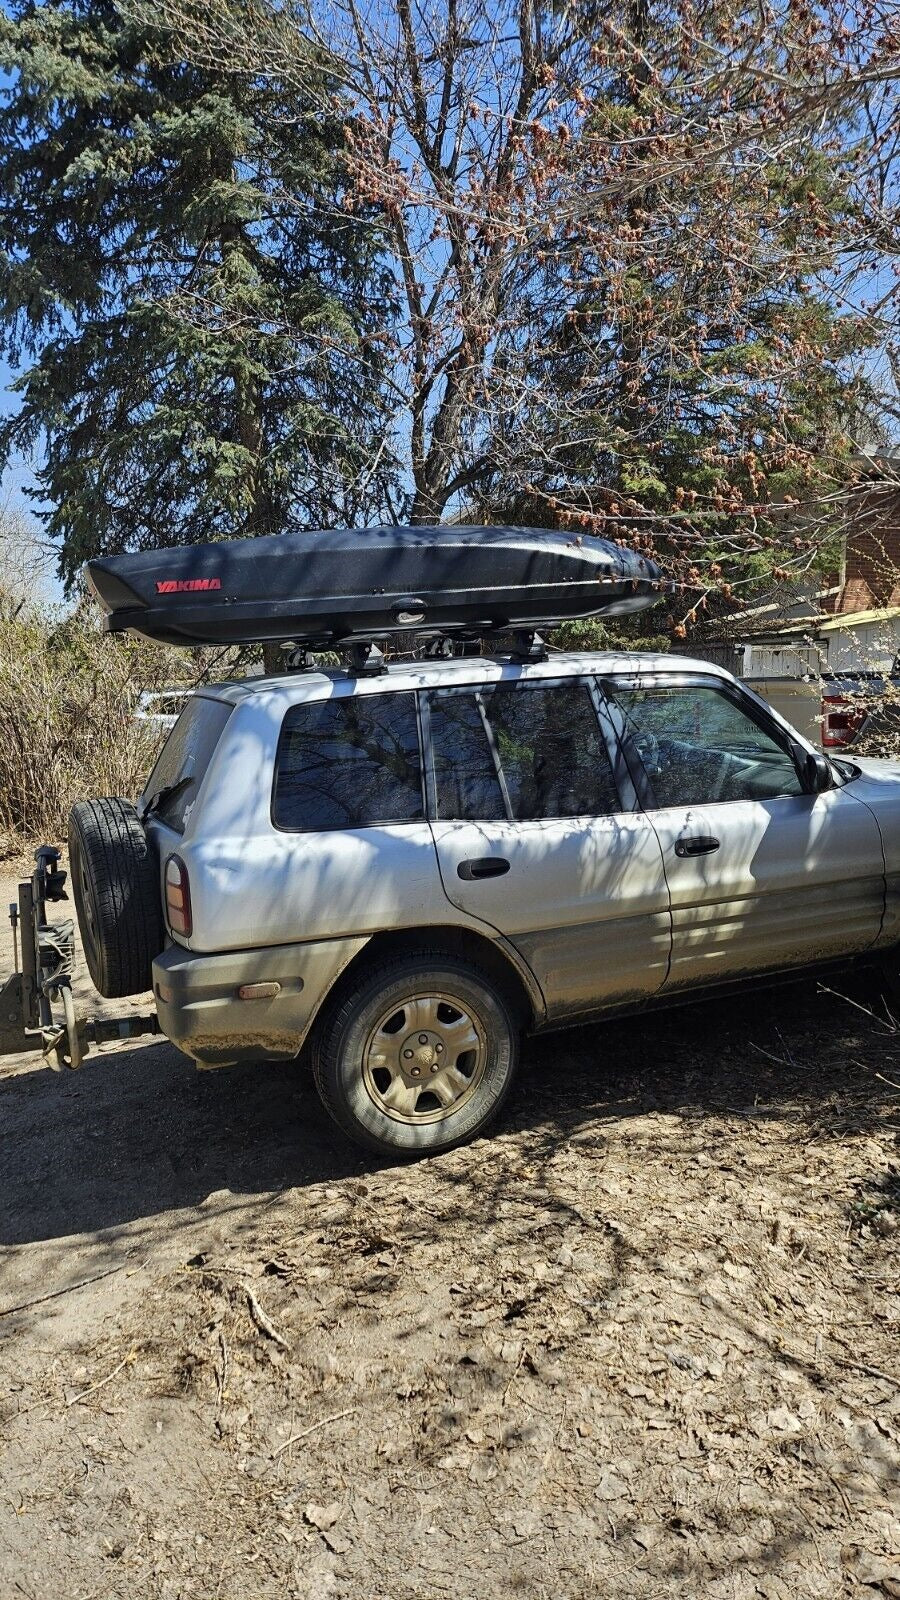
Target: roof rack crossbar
{"x": 365, "y": 658}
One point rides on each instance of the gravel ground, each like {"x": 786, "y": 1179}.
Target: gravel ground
{"x": 641, "y": 1343}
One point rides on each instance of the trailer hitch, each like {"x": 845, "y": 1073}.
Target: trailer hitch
{"x": 37, "y": 1007}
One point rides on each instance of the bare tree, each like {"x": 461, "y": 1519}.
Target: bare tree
{"x": 630, "y": 243}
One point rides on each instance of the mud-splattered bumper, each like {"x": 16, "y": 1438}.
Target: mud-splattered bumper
{"x": 246, "y": 1005}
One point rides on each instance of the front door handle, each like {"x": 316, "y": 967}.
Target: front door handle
{"x": 483, "y": 867}
{"x": 702, "y": 845}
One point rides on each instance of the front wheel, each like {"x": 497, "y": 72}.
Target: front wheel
{"x": 417, "y": 1059}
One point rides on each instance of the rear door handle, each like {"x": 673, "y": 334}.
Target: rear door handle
{"x": 702, "y": 845}
{"x": 483, "y": 867}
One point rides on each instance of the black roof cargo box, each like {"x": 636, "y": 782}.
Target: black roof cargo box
{"x": 337, "y": 586}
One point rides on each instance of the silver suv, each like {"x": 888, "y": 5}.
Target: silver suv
{"x": 408, "y": 870}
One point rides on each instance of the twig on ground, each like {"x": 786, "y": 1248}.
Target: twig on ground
{"x": 514, "y": 1374}
{"x": 222, "y": 1375}
{"x": 314, "y": 1427}
{"x": 887, "y": 1027}
{"x": 225, "y": 1559}
{"x": 895, "y": 1025}
{"x": 262, "y": 1321}
{"x": 125, "y": 1361}
{"x": 780, "y": 1061}
{"x": 873, "y": 1372}
{"x": 785, "y": 1048}
{"x": 847, "y": 1506}
{"x": 54, "y": 1294}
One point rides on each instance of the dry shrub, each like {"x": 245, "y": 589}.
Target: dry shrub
{"x": 68, "y": 729}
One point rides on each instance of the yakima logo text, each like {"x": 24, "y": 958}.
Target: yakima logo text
{"x": 187, "y": 585}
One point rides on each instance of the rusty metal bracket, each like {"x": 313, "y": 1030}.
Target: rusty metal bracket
{"x": 13, "y": 1033}
{"x": 31, "y": 998}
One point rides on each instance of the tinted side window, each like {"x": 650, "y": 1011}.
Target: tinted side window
{"x": 542, "y": 745}
{"x": 184, "y": 758}
{"x": 552, "y": 754}
{"x": 345, "y": 763}
{"x": 467, "y": 787}
{"x": 698, "y": 746}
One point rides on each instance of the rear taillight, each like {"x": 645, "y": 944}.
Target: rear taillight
{"x": 178, "y": 897}
{"x": 841, "y": 721}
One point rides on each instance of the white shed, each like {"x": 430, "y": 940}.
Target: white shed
{"x": 862, "y": 641}
{"x": 855, "y": 641}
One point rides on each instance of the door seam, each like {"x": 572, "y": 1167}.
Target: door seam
{"x": 866, "y": 807}
{"x": 499, "y": 937}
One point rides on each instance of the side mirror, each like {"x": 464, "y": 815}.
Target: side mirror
{"x": 814, "y": 771}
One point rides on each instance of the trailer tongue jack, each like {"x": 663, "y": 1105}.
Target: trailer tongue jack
{"x": 37, "y": 1007}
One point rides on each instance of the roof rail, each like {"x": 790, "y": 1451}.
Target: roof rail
{"x": 364, "y": 658}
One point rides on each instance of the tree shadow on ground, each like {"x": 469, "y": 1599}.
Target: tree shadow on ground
{"x": 431, "y": 1271}
{"x": 140, "y": 1132}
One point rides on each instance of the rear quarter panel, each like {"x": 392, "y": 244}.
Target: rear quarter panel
{"x": 254, "y": 885}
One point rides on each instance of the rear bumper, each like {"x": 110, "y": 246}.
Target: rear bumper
{"x": 201, "y": 1011}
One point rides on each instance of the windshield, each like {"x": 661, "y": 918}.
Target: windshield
{"x": 172, "y": 786}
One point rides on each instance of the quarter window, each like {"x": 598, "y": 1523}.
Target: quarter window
{"x": 698, "y": 747}
{"x": 349, "y": 762}
{"x": 172, "y": 786}
{"x": 522, "y": 751}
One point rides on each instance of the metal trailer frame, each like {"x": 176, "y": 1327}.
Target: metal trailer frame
{"x": 37, "y": 1007}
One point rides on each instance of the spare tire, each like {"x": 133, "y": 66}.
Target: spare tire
{"x": 115, "y": 880}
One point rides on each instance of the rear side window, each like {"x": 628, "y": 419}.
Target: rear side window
{"x": 538, "y": 750}
{"x": 347, "y": 763}
{"x": 172, "y": 786}
{"x": 552, "y": 753}
{"x": 466, "y": 771}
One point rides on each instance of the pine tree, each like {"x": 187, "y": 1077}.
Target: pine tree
{"x": 189, "y": 304}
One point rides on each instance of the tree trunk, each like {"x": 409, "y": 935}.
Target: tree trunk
{"x": 259, "y": 519}
{"x": 632, "y": 343}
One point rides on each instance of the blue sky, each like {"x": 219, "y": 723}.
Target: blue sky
{"x": 15, "y": 480}
{"x": 17, "y": 475}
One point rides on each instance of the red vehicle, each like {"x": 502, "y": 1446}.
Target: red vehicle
{"x": 862, "y": 710}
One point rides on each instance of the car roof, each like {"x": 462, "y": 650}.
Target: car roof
{"x": 456, "y": 671}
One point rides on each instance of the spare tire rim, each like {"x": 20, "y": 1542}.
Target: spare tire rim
{"x": 424, "y": 1058}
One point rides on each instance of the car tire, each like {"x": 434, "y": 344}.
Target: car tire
{"x": 115, "y": 881}
{"x": 418, "y": 1057}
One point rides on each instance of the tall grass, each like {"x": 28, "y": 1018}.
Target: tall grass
{"x": 67, "y": 725}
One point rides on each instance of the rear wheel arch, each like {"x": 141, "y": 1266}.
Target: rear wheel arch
{"x": 489, "y": 956}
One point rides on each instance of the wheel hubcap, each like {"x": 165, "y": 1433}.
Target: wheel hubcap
{"x": 424, "y": 1058}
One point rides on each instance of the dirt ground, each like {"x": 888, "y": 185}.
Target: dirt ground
{"x": 642, "y": 1343}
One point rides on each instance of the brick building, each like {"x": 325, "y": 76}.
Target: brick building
{"x": 849, "y": 623}
{"x": 870, "y": 578}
